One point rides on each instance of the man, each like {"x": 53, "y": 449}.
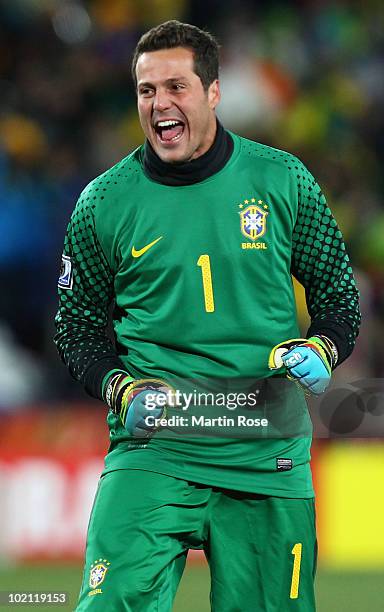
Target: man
{"x": 195, "y": 236}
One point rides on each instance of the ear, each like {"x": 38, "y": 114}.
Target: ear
{"x": 214, "y": 94}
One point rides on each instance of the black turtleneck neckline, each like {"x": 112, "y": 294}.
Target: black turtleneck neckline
{"x": 194, "y": 171}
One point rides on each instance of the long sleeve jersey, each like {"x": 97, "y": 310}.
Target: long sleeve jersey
{"x": 201, "y": 281}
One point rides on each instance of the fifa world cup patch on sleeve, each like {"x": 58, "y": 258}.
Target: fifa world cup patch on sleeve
{"x": 283, "y": 465}
{"x": 66, "y": 273}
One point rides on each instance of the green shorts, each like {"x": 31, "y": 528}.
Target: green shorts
{"x": 261, "y": 550}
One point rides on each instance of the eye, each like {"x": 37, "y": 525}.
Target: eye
{"x": 178, "y": 86}
{"x": 146, "y": 92}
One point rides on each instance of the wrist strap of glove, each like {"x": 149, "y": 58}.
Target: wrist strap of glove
{"x": 114, "y": 389}
{"x": 328, "y": 347}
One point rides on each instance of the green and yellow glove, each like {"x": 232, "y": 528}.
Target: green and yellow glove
{"x": 308, "y": 361}
{"x": 140, "y": 404}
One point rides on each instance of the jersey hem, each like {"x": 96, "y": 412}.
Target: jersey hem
{"x": 216, "y": 482}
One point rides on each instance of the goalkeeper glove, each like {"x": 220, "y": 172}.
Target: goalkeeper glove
{"x": 309, "y": 362}
{"x": 136, "y": 400}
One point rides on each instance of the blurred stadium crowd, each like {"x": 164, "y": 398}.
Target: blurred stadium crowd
{"x": 305, "y": 76}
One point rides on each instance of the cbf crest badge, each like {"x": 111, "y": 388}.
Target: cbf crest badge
{"x": 98, "y": 572}
{"x": 253, "y": 221}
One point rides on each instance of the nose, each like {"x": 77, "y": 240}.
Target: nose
{"x": 162, "y": 100}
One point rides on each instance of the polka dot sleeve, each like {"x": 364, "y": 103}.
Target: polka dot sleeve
{"x": 320, "y": 263}
{"x": 85, "y": 294}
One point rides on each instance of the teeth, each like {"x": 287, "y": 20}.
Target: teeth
{"x": 168, "y": 123}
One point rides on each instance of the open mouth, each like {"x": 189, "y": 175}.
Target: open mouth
{"x": 170, "y": 130}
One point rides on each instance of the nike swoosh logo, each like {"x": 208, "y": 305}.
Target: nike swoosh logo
{"x": 141, "y": 252}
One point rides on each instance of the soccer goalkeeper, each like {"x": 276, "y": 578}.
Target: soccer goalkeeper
{"x": 195, "y": 236}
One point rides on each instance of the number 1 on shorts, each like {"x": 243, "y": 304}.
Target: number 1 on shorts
{"x": 296, "y": 551}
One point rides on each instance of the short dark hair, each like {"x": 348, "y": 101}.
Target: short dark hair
{"x": 172, "y": 34}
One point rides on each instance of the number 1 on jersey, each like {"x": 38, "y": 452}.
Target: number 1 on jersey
{"x": 205, "y": 265}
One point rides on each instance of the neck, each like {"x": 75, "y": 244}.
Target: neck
{"x": 193, "y": 171}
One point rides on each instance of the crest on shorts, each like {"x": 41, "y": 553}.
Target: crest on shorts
{"x": 66, "y": 273}
{"x": 253, "y": 221}
{"x": 98, "y": 572}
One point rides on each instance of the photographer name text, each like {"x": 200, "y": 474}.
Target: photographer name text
{"x": 202, "y": 421}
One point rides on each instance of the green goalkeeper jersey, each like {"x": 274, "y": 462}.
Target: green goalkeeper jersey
{"x": 201, "y": 280}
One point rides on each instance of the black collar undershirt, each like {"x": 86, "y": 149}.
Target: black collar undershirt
{"x": 194, "y": 171}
